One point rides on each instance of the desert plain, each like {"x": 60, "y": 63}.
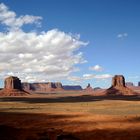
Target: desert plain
{"x": 67, "y": 116}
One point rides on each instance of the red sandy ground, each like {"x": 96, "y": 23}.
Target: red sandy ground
{"x": 59, "y": 117}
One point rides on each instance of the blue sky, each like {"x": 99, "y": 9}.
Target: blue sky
{"x": 109, "y": 31}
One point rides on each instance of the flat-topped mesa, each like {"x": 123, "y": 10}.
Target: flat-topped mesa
{"x": 43, "y": 87}
{"x": 12, "y": 87}
{"x": 54, "y": 86}
{"x": 119, "y": 87}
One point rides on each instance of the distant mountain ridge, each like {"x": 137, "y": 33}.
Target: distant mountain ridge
{"x": 72, "y": 87}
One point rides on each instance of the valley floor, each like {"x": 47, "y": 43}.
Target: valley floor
{"x": 56, "y": 117}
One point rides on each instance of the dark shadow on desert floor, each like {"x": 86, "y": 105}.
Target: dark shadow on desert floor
{"x": 24, "y": 126}
{"x": 68, "y": 99}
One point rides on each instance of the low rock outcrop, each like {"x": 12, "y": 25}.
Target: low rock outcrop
{"x": 12, "y": 87}
{"x": 119, "y": 87}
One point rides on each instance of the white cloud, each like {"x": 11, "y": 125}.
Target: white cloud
{"x": 122, "y": 35}
{"x": 96, "y": 68}
{"x": 100, "y": 76}
{"x": 103, "y": 76}
{"x": 89, "y": 76}
{"x": 35, "y": 56}
{"x": 75, "y": 78}
{"x": 10, "y": 19}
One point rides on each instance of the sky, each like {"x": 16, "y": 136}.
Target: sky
{"x": 71, "y": 41}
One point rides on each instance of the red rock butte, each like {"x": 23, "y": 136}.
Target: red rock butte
{"x": 12, "y": 87}
{"x": 119, "y": 87}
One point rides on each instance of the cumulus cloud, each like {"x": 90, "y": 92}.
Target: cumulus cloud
{"x": 75, "y": 78}
{"x": 89, "y": 76}
{"x": 122, "y": 35}
{"x": 100, "y": 76}
{"x": 103, "y": 76}
{"x": 10, "y": 19}
{"x": 32, "y": 56}
{"x": 96, "y": 68}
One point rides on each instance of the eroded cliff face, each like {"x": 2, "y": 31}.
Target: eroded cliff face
{"x": 118, "y": 87}
{"x": 58, "y": 85}
{"x": 118, "y": 81}
{"x": 12, "y": 83}
{"x": 12, "y": 87}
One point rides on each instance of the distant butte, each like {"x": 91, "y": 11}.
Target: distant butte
{"x": 12, "y": 87}
{"x": 119, "y": 87}
{"x": 88, "y": 88}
